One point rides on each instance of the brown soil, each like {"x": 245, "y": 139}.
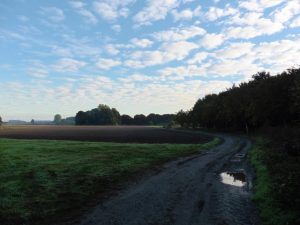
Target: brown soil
{"x": 121, "y": 134}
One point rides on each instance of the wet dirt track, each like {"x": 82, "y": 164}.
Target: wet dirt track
{"x": 213, "y": 188}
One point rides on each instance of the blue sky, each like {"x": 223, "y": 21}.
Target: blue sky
{"x": 138, "y": 56}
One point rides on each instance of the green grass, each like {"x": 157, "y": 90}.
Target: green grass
{"x": 272, "y": 206}
{"x": 42, "y": 180}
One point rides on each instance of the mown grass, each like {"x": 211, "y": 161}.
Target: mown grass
{"x": 276, "y": 190}
{"x": 44, "y": 182}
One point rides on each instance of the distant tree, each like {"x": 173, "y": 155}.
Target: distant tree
{"x": 127, "y": 120}
{"x": 81, "y": 118}
{"x": 116, "y": 117}
{"x": 182, "y": 118}
{"x": 57, "y": 119}
{"x": 140, "y": 119}
{"x": 68, "y": 121}
{"x": 102, "y": 115}
{"x": 32, "y": 121}
{"x": 1, "y": 121}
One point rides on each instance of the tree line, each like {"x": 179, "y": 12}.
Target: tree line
{"x": 264, "y": 101}
{"x": 104, "y": 115}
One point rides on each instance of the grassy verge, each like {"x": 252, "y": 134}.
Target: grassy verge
{"x": 42, "y": 181}
{"x": 277, "y": 183}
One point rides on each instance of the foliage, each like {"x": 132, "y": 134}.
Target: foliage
{"x": 44, "y": 181}
{"x": 68, "y": 121}
{"x": 1, "y": 121}
{"x": 182, "y": 118}
{"x": 103, "y": 115}
{"x": 278, "y": 173}
{"x": 151, "y": 119}
{"x": 264, "y": 101}
{"x": 57, "y": 119}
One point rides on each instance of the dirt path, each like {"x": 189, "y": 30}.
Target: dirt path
{"x": 210, "y": 189}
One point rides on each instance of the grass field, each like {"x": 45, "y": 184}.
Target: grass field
{"x": 44, "y": 182}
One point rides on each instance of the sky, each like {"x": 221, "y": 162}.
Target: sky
{"x": 137, "y": 56}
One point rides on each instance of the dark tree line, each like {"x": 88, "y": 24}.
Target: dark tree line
{"x": 104, "y": 115}
{"x": 151, "y": 119}
{"x": 264, "y": 101}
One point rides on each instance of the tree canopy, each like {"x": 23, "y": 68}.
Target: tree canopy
{"x": 57, "y": 119}
{"x": 104, "y": 115}
{"x": 264, "y": 101}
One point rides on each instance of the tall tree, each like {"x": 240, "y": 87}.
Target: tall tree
{"x": 264, "y": 101}
{"x": 57, "y": 119}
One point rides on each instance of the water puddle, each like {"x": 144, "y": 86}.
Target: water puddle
{"x": 237, "y": 179}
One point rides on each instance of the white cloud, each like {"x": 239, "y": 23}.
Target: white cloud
{"x": 68, "y": 65}
{"x": 295, "y": 22}
{"x": 181, "y": 72}
{"x": 112, "y": 9}
{"x": 154, "y": 11}
{"x": 198, "y": 58}
{"x": 61, "y": 51}
{"x": 235, "y": 50}
{"x": 252, "y": 25}
{"x": 231, "y": 67}
{"x": 167, "y": 52}
{"x": 259, "y": 5}
{"x": 279, "y": 55}
{"x": 211, "y": 41}
{"x": 107, "y": 63}
{"x": 287, "y": 12}
{"x": 53, "y": 13}
{"x": 37, "y": 72}
{"x": 186, "y": 14}
{"x": 106, "y": 11}
{"x": 136, "y": 78}
{"x": 89, "y": 16}
{"x": 142, "y": 43}
{"x": 248, "y": 58}
{"x": 112, "y": 49}
{"x": 178, "y": 50}
{"x": 179, "y": 34}
{"x": 215, "y": 13}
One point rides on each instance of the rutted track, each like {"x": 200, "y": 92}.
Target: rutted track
{"x": 187, "y": 191}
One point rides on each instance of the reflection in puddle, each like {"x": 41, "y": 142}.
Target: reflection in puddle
{"x": 233, "y": 178}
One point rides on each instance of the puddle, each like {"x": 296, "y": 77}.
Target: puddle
{"x": 233, "y": 178}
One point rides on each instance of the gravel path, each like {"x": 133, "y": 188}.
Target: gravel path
{"x": 213, "y": 188}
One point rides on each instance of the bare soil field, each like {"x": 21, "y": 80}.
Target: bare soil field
{"x": 120, "y": 134}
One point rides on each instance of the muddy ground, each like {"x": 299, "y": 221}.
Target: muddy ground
{"x": 121, "y": 134}
{"x": 214, "y": 188}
